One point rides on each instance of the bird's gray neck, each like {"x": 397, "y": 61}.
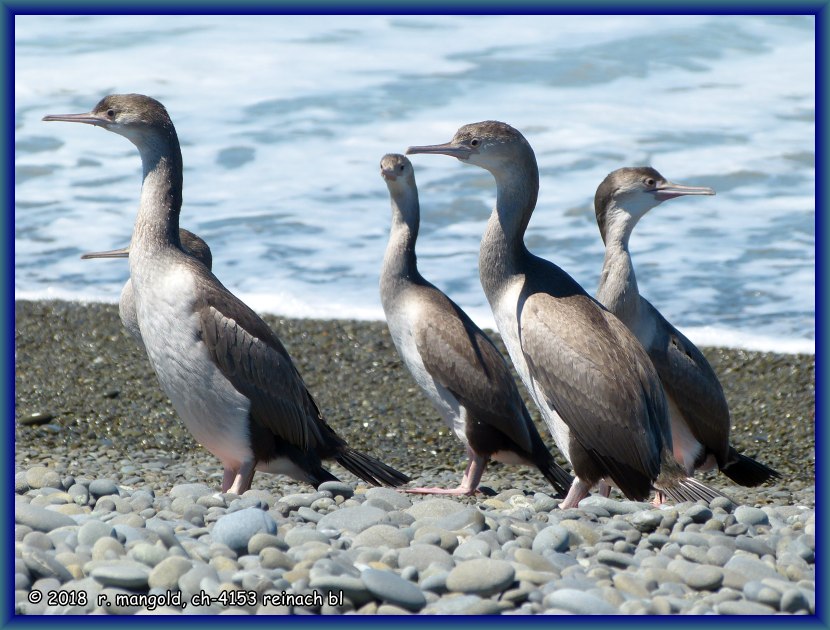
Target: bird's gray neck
{"x": 157, "y": 223}
{"x": 399, "y": 262}
{"x": 503, "y": 253}
{"x": 618, "y": 290}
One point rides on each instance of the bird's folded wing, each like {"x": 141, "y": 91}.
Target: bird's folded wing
{"x": 464, "y": 360}
{"x": 261, "y": 369}
{"x": 691, "y": 382}
{"x": 589, "y": 371}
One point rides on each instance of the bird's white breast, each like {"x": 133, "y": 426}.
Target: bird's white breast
{"x": 211, "y": 408}
{"x": 401, "y": 321}
{"x": 504, "y": 312}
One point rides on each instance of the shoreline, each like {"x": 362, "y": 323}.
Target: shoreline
{"x": 711, "y": 337}
{"x": 102, "y": 395}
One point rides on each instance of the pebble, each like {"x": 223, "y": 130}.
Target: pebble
{"x": 481, "y": 576}
{"x": 39, "y": 518}
{"x": 391, "y": 588}
{"x": 421, "y": 556}
{"x": 390, "y": 553}
{"x": 191, "y": 491}
{"x": 337, "y": 488}
{"x": 579, "y": 602}
{"x": 382, "y": 535}
{"x": 751, "y": 516}
{"x": 237, "y": 528}
{"x": 705, "y": 578}
{"x": 122, "y": 573}
{"x": 352, "y": 519}
{"x": 42, "y": 477}
{"x": 102, "y": 487}
{"x": 92, "y": 530}
{"x": 554, "y": 537}
{"x": 165, "y": 575}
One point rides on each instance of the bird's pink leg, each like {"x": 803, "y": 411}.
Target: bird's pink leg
{"x": 579, "y": 490}
{"x": 469, "y": 482}
{"x": 243, "y": 479}
{"x": 227, "y": 478}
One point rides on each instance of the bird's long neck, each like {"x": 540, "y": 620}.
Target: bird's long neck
{"x": 618, "y": 290}
{"x": 157, "y": 223}
{"x": 503, "y": 253}
{"x": 399, "y": 262}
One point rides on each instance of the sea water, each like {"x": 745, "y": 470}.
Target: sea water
{"x": 283, "y": 121}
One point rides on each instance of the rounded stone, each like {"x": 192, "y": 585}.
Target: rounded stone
{"x": 352, "y": 519}
{"x": 190, "y": 490}
{"x": 473, "y": 548}
{"x": 705, "y": 578}
{"x": 699, "y": 513}
{"x": 759, "y": 592}
{"x": 39, "y": 518}
{"x": 237, "y": 528}
{"x": 578, "y": 602}
{"x": 92, "y": 530}
{"x": 148, "y": 554}
{"x": 465, "y": 520}
{"x": 107, "y": 548}
{"x": 753, "y": 545}
{"x": 615, "y": 559}
{"x": 122, "y": 573}
{"x": 751, "y": 516}
{"x": 102, "y": 487}
{"x": 166, "y": 574}
{"x": 646, "y": 520}
{"x": 743, "y": 607}
{"x": 299, "y": 536}
{"x": 393, "y": 589}
{"x": 434, "y": 508}
{"x": 41, "y": 564}
{"x": 750, "y": 567}
{"x": 396, "y": 499}
{"x": 382, "y": 535}
{"x": 262, "y": 541}
{"x": 43, "y": 477}
{"x": 553, "y": 537}
{"x": 337, "y": 488}
{"x": 481, "y": 576}
{"x": 273, "y": 558}
{"x": 421, "y": 556}
{"x": 718, "y": 555}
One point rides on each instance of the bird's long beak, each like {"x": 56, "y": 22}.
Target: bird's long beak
{"x": 88, "y": 118}
{"x": 124, "y": 252}
{"x": 670, "y": 190}
{"x": 448, "y": 148}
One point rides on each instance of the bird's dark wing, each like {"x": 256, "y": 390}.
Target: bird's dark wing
{"x": 691, "y": 382}
{"x": 598, "y": 378}
{"x": 463, "y": 359}
{"x": 254, "y": 360}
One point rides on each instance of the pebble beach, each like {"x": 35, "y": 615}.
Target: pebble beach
{"x": 118, "y": 510}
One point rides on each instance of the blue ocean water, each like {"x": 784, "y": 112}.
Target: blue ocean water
{"x": 283, "y": 121}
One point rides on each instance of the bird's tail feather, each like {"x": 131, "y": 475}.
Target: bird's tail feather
{"x": 688, "y": 489}
{"x": 369, "y": 469}
{"x": 746, "y": 471}
{"x": 556, "y": 475}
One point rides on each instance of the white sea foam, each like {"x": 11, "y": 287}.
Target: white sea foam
{"x": 283, "y": 120}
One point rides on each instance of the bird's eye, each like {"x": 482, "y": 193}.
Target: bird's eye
{"x": 649, "y": 182}
{"x": 110, "y": 113}
{"x": 400, "y": 168}
{"x": 474, "y": 142}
